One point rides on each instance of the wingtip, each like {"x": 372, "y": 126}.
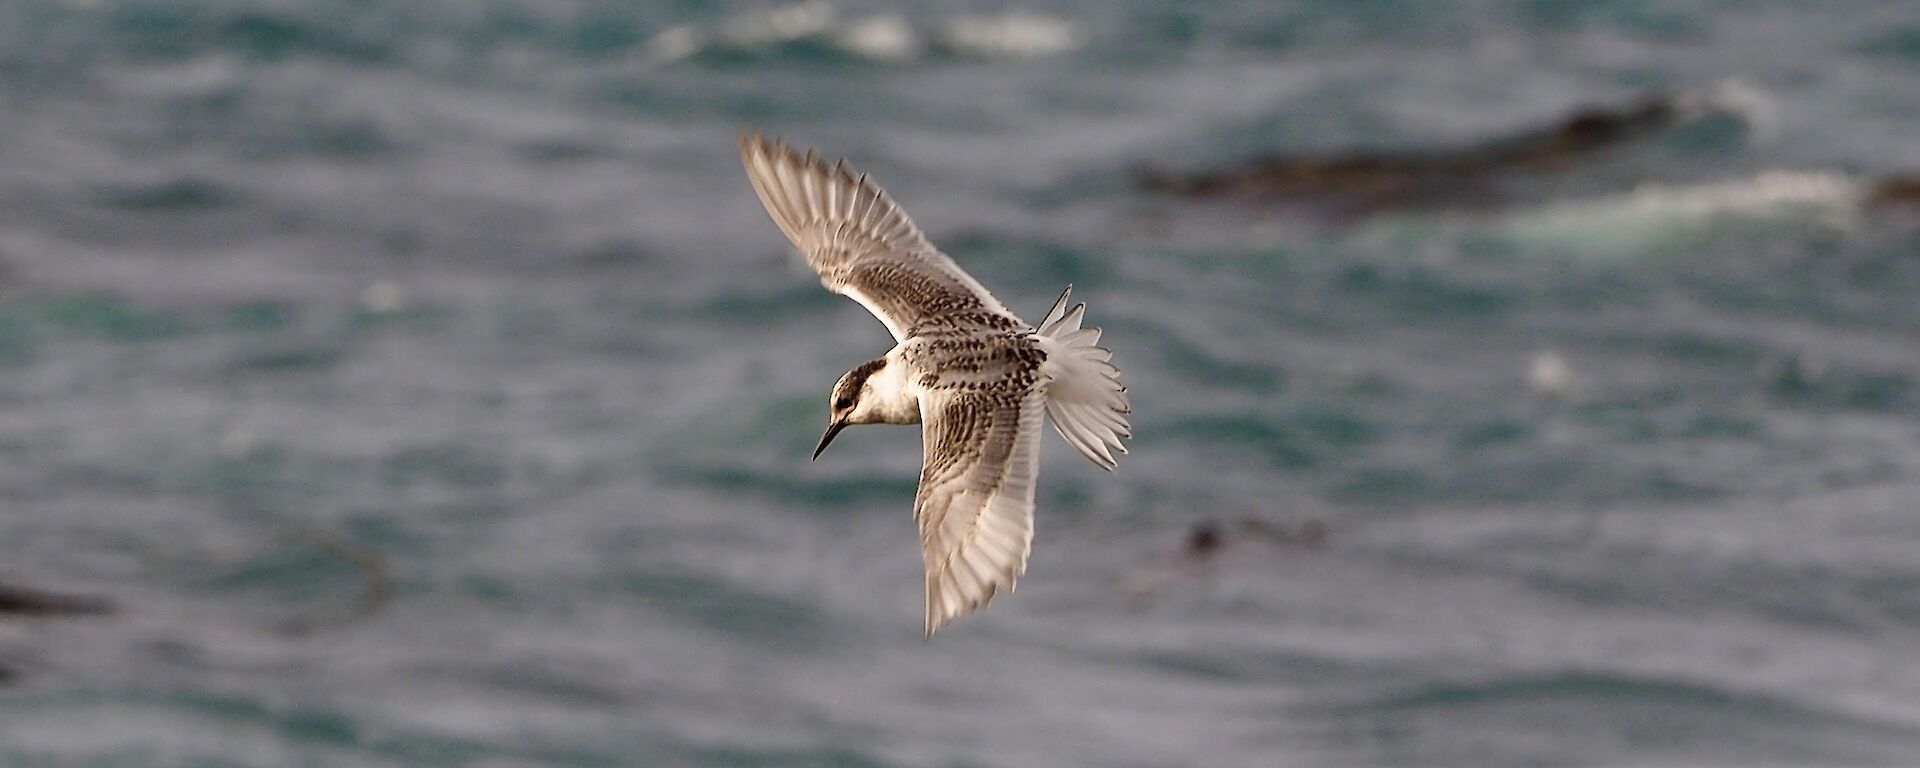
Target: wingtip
{"x": 752, "y": 142}
{"x": 755, "y": 143}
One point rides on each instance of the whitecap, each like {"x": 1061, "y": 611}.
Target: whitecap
{"x": 1014, "y": 34}
{"x": 1656, "y": 214}
{"x": 885, "y": 37}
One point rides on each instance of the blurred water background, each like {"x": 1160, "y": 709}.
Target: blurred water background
{"x": 424, "y": 385}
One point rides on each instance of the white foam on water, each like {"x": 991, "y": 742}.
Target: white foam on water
{"x": 1548, "y": 374}
{"x": 752, "y": 30}
{"x": 1658, "y": 214}
{"x": 888, "y": 37}
{"x": 1014, "y": 34}
{"x": 780, "y": 24}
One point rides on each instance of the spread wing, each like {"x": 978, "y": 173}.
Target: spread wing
{"x": 862, "y": 244}
{"x": 975, "y": 505}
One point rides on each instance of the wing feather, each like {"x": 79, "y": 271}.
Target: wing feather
{"x": 975, "y": 505}
{"x": 863, "y": 244}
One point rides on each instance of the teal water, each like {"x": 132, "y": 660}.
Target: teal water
{"x": 426, "y": 387}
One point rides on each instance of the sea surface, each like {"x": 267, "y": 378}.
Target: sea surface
{"x": 423, "y": 384}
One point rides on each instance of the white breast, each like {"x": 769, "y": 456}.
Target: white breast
{"x": 892, "y": 396}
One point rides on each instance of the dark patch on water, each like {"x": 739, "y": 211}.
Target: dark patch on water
{"x": 823, "y": 757}
{"x": 1722, "y": 425}
{"x": 262, "y": 470}
{"x": 1424, "y": 293}
{"x": 837, "y": 493}
{"x": 1899, "y": 43}
{"x": 605, "y": 31}
{"x": 271, "y": 36}
{"x": 1578, "y": 685}
{"x": 107, "y": 318}
{"x": 18, "y": 341}
{"x": 561, "y": 150}
{"x": 1692, "y": 347}
{"x": 614, "y": 253}
{"x": 345, "y": 140}
{"x": 1649, "y": 716}
{"x": 288, "y": 576}
{"x": 26, "y": 601}
{"x": 1193, "y": 363}
{"x": 527, "y": 325}
{"x": 1030, "y": 263}
{"x": 413, "y": 318}
{"x": 1498, "y": 432}
{"x": 178, "y": 195}
{"x": 288, "y": 358}
{"x": 1255, "y": 666}
{"x": 452, "y": 465}
{"x": 262, "y": 316}
{"x": 1796, "y": 381}
{"x": 1644, "y": 20}
{"x": 1896, "y": 595}
{"x": 337, "y": 733}
{"x": 756, "y": 617}
{"x": 1303, "y": 437}
{"x": 1385, "y": 485}
{"x": 762, "y": 307}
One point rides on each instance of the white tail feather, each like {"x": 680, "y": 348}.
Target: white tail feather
{"x": 1085, "y": 401}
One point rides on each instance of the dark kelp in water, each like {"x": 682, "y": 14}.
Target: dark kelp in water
{"x": 1208, "y": 540}
{"x": 1901, "y": 191}
{"x": 1366, "y": 181}
{"x": 24, "y": 601}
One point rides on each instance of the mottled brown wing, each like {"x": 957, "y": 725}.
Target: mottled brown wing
{"x": 862, "y": 244}
{"x": 975, "y": 505}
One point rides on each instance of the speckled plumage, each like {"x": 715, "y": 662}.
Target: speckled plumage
{"x": 974, "y": 375}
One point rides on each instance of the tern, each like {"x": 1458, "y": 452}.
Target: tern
{"x": 974, "y": 376}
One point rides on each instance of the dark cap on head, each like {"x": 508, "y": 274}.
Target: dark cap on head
{"x": 848, "y": 388}
{"x": 846, "y": 395}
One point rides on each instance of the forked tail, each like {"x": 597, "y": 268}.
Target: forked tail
{"x": 1085, "y": 402}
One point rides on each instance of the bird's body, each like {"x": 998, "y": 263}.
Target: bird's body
{"x": 975, "y": 376}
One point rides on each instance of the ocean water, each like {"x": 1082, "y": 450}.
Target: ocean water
{"x": 425, "y": 387}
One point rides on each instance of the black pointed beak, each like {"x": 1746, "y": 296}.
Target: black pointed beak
{"x": 832, "y": 429}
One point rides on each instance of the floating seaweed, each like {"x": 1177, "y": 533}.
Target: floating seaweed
{"x": 1209, "y": 540}
{"x": 38, "y": 603}
{"x": 1369, "y": 180}
{"x": 1895, "y": 191}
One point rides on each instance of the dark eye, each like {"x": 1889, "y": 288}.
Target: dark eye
{"x": 843, "y": 403}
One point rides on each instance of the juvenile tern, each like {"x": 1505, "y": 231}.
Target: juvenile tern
{"x": 976, "y": 377}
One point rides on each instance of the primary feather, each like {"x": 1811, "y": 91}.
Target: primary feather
{"x": 863, "y": 245}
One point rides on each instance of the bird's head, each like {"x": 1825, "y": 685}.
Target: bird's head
{"x": 850, "y": 402}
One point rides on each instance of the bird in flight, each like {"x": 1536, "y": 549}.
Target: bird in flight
{"x": 974, "y": 376}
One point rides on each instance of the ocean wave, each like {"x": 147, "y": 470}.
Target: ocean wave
{"x": 1658, "y": 215}
{"x": 880, "y": 37}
